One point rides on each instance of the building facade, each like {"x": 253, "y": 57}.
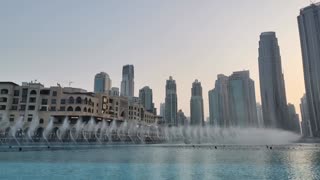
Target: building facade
{"x": 294, "y": 118}
{"x": 37, "y": 104}
{"x": 196, "y": 105}
{"x": 171, "y": 103}
{"x": 232, "y": 103}
{"x": 272, "y": 86}
{"x": 305, "y": 118}
{"x": 219, "y": 103}
{"x": 309, "y": 29}
{"x": 145, "y": 95}
{"x": 242, "y": 100}
{"x": 260, "y": 115}
{"x": 182, "y": 119}
{"x": 102, "y": 82}
{"x": 127, "y": 83}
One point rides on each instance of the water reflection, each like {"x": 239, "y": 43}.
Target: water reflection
{"x": 160, "y": 162}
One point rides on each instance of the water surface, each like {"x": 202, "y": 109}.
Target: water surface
{"x": 299, "y": 161}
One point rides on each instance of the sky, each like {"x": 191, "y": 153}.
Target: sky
{"x": 62, "y": 41}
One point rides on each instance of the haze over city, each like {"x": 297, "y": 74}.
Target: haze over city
{"x": 53, "y": 44}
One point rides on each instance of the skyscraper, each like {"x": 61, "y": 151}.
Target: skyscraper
{"x": 272, "y": 87}
{"x": 305, "y": 118}
{"x": 219, "y": 103}
{"x": 181, "y": 118}
{"x": 102, "y": 82}
{"x": 196, "y": 105}
{"x": 162, "y": 109}
{"x": 145, "y": 95}
{"x": 260, "y": 115}
{"x": 242, "y": 100}
{"x": 171, "y": 104}
{"x": 127, "y": 83}
{"x": 309, "y": 28}
{"x": 294, "y": 118}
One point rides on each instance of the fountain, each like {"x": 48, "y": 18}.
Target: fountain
{"x": 48, "y": 130}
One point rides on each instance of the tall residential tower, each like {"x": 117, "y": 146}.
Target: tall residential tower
{"x": 102, "y": 82}
{"x": 171, "y": 103}
{"x": 127, "y": 83}
{"x": 309, "y": 28}
{"x": 272, "y": 87}
{"x": 196, "y": 105}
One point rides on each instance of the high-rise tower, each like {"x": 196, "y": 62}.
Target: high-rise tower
{"x": 171, "y": 104}
{"x": 127, "y": 83}
{"x": 272, "y": 87}
{"x": 196, "y": 105}
{"x": 102, "y": 82}
{"x": 309, "y": 28}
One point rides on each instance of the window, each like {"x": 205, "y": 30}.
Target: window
{"x": 29, "y": 119}
{"x": 54, "y": 93}
{"x": 31, "y": 108}
{"x": 71, "y": 100}
{"x": 32, "y": 100}
{"x": 41, "y": 121}
{"x": 15, "y": 100}
{"x": 14, "y": 108}
{"x": 63, "y": 101}
{"x": 23, "y": 107}
{"x": 3, "y": 107}
{"x": 53, "y": 101}
{"x": 84, "y": 109}
{"x": 78, "y": 100}
{"x": 44, "y": 101}
{"x": 43, "y": 108}
{"x": 11, "y": 119}
{"x": 45, "y": 92}
{"x": 4, "y": 91}
{"x": 53, "y": 108}
{"x": 16, "y": 92}
{"x": 78, "y": 109}
{"x": 70, "y": 108}
{"x": 33, "y": 92}
{"x": 62, "y": 108}
{"x": 3, "y": 99}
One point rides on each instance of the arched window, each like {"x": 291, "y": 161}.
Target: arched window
{"x": 90, "y": 101}
{"x": 84, "y": 109}
{"x": 71, "y": 100}
{"x": 78, "y": 100}
{"x": 78, "y": 108}
{"x": 70, "y": 108}
{"x": 41, "y": 121}
{"x": 33, "y": 92}
{"x": 89, "y": 110}
{"x": 4, "y": 91}
{"x": 85, "y": 101}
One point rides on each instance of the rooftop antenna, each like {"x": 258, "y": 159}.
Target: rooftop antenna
{"x": 70, "y": 82}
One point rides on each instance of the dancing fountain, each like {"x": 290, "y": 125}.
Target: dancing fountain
{"x": 101, "y": 132}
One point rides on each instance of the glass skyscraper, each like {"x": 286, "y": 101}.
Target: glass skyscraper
{"x": 196, "y": 105}
{"x": 127, "y": 83}
{"x": 102, "y": 82}
{"x": 272, "y": 87}
{"x": 171, "y": 103}
{"x": 309, "y": 28}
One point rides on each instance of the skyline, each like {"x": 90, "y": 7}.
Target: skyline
{"x": 186, "y": 55}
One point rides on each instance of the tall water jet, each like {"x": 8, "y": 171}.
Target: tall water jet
{"x": 97, "y": 128}
{"x": 17, "y": 127}
{"x": 103, "y": 130}
{"x": 48, "y": 130}
{"x": 33, "y": 126}
{"x": 62, "y": 130}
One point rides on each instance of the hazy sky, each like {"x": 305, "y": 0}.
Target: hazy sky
{"x": 62, "y": 41}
